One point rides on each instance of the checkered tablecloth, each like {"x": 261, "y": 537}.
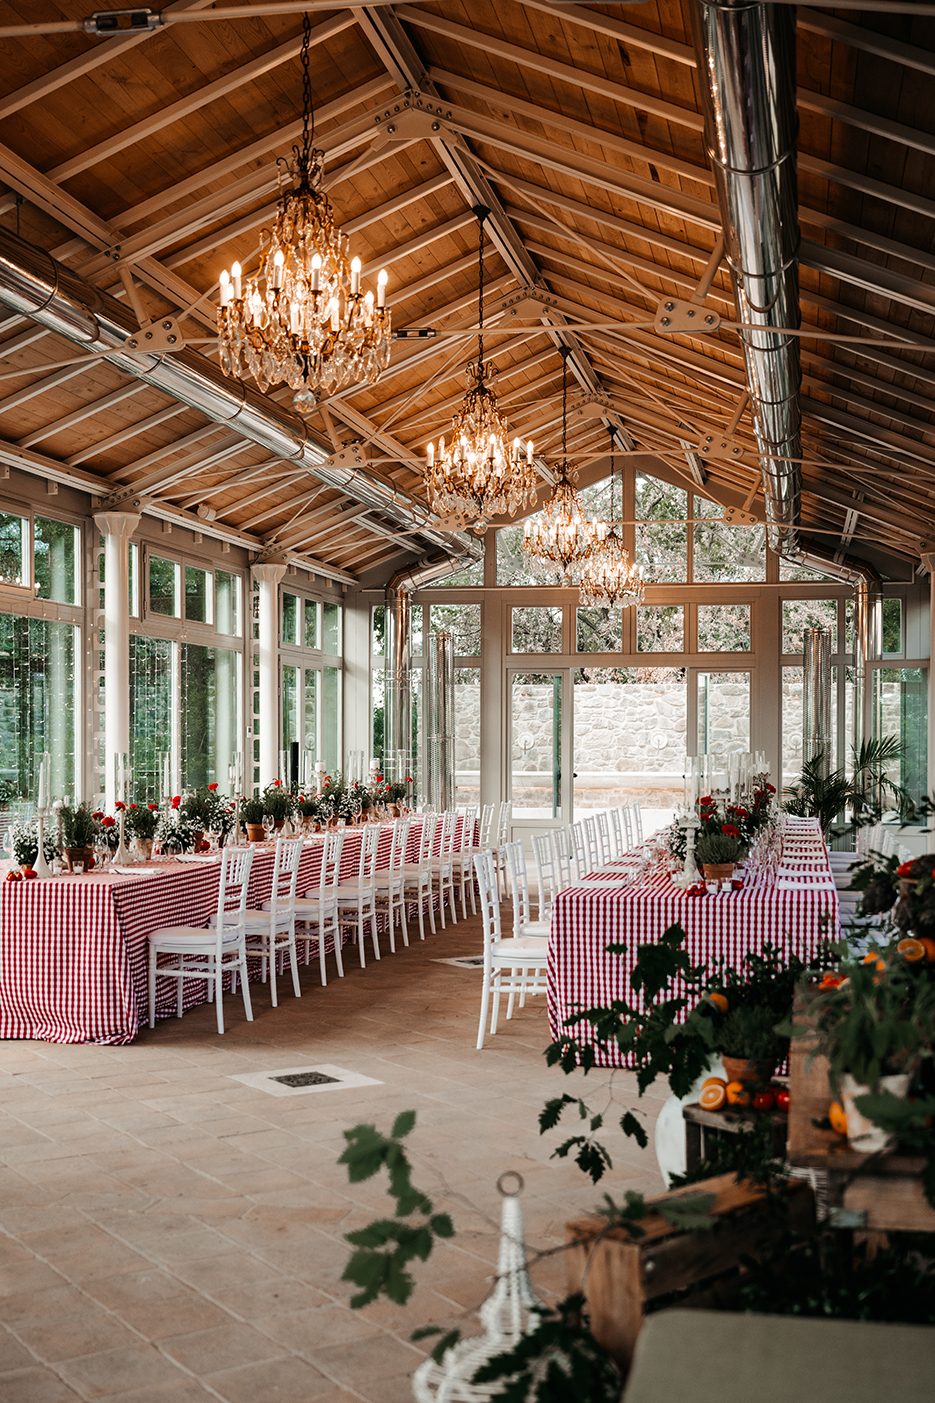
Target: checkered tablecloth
{"x": 719, "y": 928}
{"x": 74, "y": 950}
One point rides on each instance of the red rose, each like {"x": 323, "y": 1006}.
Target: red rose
{"x": 771, "y": 789}
{"x": 108, "y": 822}
{"x": 176, "y": 801}
{"x": 120, "y": 806}
{"x": 378, "y": 779}
{"x": 409, "y": 779}
{"x": 706, "y": 799}
{"x": 152, "y": 807}
{"x": 730, "y": 830}
{"x": 133, "y": 806}
{"x": 97, "y": 815}
{"x": 212, "y": 786}
{"x": 277, "y": 783}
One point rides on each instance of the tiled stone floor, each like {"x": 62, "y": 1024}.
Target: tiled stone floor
{"x": 168, "y": 1234}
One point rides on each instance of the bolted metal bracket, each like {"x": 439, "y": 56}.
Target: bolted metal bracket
{"x": 523, "y": 307}
{"x": 352, "y": 455}
{"x": 412, "y": 118}
{"x": 127, "y": 500}
{"x": 674, "y": 316}
{"x": 736, "y": 516}
{"x": 721, "y": 446}
{"x": 158, "y": 336}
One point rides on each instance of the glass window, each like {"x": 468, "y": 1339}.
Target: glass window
{"x": 723, "y": 628}
{"x": 133, "y": 577}
{"x": 377, "y": 629}
{"x": 721, "y": 552}
{"x": 460, "y": 620}
{"x": 662, "y": 536}
{"x": 14, "y": 548}
{"x": 792, "y": 723}
{"x": 290, "y": 718}
{"x": 800, "y": 614}
{"x": 467, "y": 735}
{"x": 515, "y": 567}
{"x": 660, "y": 628}
{"x": 210, "y": 713}
{"x": 800, "y": 574}
{"x": 536, "y": 744}
{"x": 152, "y": 673}
{"x": 331, "y": 716}
{"x": 163, "y": 586}
{"x": 227, "y": 602}
{"x": 198, "y": 598}
{"x": 331, "y": 629}
{"x": 723, "y": 712}
{"x": 891, "y": 621}
{"x": 311, "y": 681}
{"x": 415, "y": 630}
{"x": 55, "y": 573}
{"x": 599, "y": 630}
{"x": 311, "y": 623}
{"x": 537, "y": 629}
{"x": 900, "y": 708}
{"x": 290, "y": 618}
{"x": 38, "y": 703}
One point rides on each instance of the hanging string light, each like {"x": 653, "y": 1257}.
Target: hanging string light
{"x": 562, "y": 532}
{"x": 478, "y": 474}
{"x": 303, "y": 318}
{"x": 609, "y": 578}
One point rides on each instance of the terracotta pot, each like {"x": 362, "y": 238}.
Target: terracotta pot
{"x": 717, "y": 871}
{"x": 753, "y": 1071}
{"x": 864, "y": 1134}
{"x": 256, "y": 833}
{"x": 72, "y": 855}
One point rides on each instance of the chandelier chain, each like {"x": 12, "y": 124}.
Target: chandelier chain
{"x": 308, "y": 112}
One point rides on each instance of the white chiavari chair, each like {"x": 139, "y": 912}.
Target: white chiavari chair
{"x": 516, "y": 965}
{"x": 357, "y": 897}
{"x": 206, "y": 952}
{"x": 563, "y": 856}
{"x": 273, "y": 929}
{"x": 391, "y": 884}
{"x": 523, "y": 923}
{"x": 317, "y": 910}
{"x": 418, "y": 876}
{"x": 547, "y": 880}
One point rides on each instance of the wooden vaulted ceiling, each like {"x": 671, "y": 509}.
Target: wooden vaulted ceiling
{"x": 146, "y": 162}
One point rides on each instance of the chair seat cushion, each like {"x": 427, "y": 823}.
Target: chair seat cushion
{"x": 520, "y": 947}
{"x": 538, "y": 929}
{"x": 188, "y": 937}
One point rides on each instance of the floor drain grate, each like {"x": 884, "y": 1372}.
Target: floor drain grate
{"x": 302, "y": 1081}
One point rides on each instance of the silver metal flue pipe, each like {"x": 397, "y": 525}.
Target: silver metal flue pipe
{"x": 746, "y": 59}
{"x": 37, "y": 286}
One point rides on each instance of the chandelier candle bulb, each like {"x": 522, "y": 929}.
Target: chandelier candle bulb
{"x": 225, "y": 288}
{"x": 381, "y": 288}
{"x": 279, "y": 259}
{"x": 316, "y": 272}
{"x": 355, "y": 277}
{"x": 237, "y": 276}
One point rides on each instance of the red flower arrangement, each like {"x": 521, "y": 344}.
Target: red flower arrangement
{"x": 108, "y": 821}
{"x": 213, "y": 786}
{"x": 176, "y": 801}
{"x": 730, "y": 830}
{"x": 120, "y": 806}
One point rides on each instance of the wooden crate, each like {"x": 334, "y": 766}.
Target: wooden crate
{"x": 876, "y": 1193}
{"x": 623, "y": 1278}
{"x": 699, "y": 1124}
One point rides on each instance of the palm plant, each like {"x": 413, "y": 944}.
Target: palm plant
{"x": 826, "y": 797}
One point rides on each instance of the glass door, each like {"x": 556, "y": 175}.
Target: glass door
{"x": 723, "y": 712}
{"x": 537, "y": 748}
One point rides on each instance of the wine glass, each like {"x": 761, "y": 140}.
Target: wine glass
{"x": 269, "y": 825}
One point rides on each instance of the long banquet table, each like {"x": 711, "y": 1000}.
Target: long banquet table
{"x": 74, "y": 950}
{"x": 793, "y": 917}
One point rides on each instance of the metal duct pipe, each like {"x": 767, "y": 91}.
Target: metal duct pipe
{"x": 36, "y": 286}
{"x": 439, "y": 722}
{"x": 397, "y": 652}
{"x": 816, "y": 697}
{"x": 746, "y": 57}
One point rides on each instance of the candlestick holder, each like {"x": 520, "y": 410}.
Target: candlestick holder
{"x": 41, "y": 868}
{"x": 122, "y": 855}
{"x": 689, "y": 874}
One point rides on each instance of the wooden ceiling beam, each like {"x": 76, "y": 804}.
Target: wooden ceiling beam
{"x": 78, "y": 416}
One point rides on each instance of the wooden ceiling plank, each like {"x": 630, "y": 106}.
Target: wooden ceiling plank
{"x": 77, "y": 416}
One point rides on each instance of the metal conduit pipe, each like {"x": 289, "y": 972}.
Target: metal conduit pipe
{"x": 746, "y": 60}
{"x": 37, "y": 286}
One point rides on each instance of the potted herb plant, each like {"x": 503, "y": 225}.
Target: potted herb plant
{"x": 306, "y": 806}
{"x": 718, "y": 852}
{"x": 79, "y": 832}
{"x": 277, "y": 802}
{"x": 176, "y": 833}
{"x": 252, "y": 811}
{"x": 141, "y": 821}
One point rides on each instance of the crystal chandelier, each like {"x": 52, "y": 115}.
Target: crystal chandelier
{"x": 302, "y": 318}
{"x": 477, "y": 473}
{"x": 562, "y": 532}
{"x": 609, "y": 578}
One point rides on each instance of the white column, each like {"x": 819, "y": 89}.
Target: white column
{"x": 116, "y": 528}
{"x": 929, "y": 562}
{"x": 268, "y": 577}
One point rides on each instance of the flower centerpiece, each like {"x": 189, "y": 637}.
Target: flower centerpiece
{"x": 141, "y": 824}
{"x": 209, "y": 811}
{"x": 80, "y": 831}
{"x": 330, "y": 797}
{"x": 25, "y": 839}
{"x": 348, "y": 803}
{"x": 307, "y": 808}
{"x": 277, "y": 803}
{"x": 175, "y": 832}
{"x": 252, "y": 813}
{"x": 719, "y": 846}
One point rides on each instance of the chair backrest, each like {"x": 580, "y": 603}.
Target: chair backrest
{"x": 445, "y": 834}
{"x": 232, "y": 891}
{"x": 486, "y": 871}
{"x": 286, "y": 861}
{"x": 519, "y": 885}
{"x": 400, "y": 844}
{"x": 591, "y": 842}
{"x": 468, "y": 823}
{"x": 330, "y": 874}
{"x": 603, "y": 835}
{"x": 504, "y": 821}
{"x": 486, "y": 824}
{"x": 546, "y": 879}
{"x": 369, "y": 846}
{"x": 427, "y": 838}
{"x": 562, "y": 849}
{"x": 618, "y": 833}
{"x": 636, "y": 823}
{"x": 579, "y": 849}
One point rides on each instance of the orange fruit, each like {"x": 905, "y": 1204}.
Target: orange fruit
{"x": 738, "y": 1094}
{"x": 713, "y": 1094}
{"x": 837, "y": 1118}
{"x": 872, "y": 957}
{"x": 718, "y": 1000}
{"x": 916, "y": 948}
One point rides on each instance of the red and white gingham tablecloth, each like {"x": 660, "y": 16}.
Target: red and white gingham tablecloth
{"x": 718, "y": 928}
{"x": 74, "y": 950}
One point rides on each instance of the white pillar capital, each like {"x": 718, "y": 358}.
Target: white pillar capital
{"x": 115, "y": 523}
{"x": 269, "y": 573}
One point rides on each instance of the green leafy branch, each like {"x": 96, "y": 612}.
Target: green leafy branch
{"x": 557, "y": 1360}
{"x": 385, "y": 1248}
